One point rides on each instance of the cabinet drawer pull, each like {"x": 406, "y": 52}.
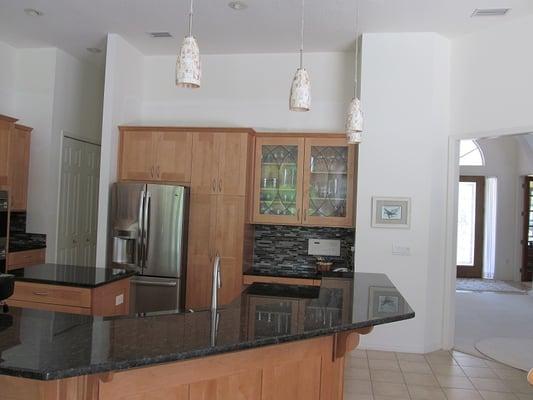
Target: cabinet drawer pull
{"x": 214, "y": 185}
{"x": 40, "y": 293}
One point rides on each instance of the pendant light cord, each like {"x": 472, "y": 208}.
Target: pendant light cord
{"x": 190, "y": 18}
{"x": 302, "y": 21}
{"x": 356, "y": 46}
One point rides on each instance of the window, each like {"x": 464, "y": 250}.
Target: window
{"x": 470, "y": 154}
{"x": 466, "y": 228}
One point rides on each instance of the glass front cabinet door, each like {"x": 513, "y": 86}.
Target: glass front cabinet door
{"x": 328, "y": 183}
{"x": 304, "y": 181}
{"x": 278, "y": 180}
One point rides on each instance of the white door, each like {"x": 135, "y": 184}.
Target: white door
{"x": 78, "y": 203}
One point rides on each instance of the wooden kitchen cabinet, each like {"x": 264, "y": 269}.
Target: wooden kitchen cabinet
{"x": 220, "y": 162}
{"x": 15, "y": 160}
{"x": 22, "y": 259}
{"x": 304, "y": 180}
{"x": 19, "y": 165}
{"x": 155, "y": 154}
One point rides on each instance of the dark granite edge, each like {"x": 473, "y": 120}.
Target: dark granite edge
{"x": 318, "y": 275}
{"x": 175, "y": 357}
{"x": 26, "y": 248}
{"x": 114, "y": 278}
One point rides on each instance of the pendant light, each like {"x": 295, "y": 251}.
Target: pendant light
{"x": 188, "y": 68}
{"x": 354, "y": 119}
{"x": 300, "y": 97}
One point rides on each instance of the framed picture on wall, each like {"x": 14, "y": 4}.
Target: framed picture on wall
{"x": 384, "y": 302}
{"x": 391, "y": 212}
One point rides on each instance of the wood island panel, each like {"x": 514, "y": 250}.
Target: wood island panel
{"x": 311, "y": 369}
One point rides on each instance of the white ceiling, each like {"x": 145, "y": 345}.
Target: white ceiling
{"x": 265, "y": 26}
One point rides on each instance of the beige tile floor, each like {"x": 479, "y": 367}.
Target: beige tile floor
{"x": 443, "y": 375}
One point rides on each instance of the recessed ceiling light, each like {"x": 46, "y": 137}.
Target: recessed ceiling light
{"x": 160, "y": 34}
{"x": 237, "y": 5}
{"x": 94, "y": 50}
{"x": 32, "y": 12}
{"x": 490, "y": 12}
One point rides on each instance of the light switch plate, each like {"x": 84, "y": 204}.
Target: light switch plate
{"x": 324, "y": 247}
{"x": 119, "y": 299}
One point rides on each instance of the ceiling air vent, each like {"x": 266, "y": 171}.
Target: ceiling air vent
{"x": 157, "y": 35}
{"x": 490, "y": 12}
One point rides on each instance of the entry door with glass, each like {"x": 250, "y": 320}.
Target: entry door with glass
{"x": 470, "y": 226}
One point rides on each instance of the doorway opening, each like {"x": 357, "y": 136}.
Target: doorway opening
{"x": 494, "y": 240}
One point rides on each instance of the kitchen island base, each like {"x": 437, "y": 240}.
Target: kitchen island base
{"x": 301, "y": 370}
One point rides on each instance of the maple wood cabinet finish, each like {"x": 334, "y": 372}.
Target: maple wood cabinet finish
{"x": 99, "y": 301}
{"x": 295, "y": 175}
{"x": 15, "y": 160}
{"x": 220, "y": 162}
{"x": 26, "y": 258}
{"x": 311, "y": 369}
{"x": 155, "y": 154}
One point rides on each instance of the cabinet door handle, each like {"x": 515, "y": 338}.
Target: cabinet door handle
{"x": 214, "y": 185}
{"x": 158, "y": 171}
{"x": 220, "y": 185}
{"x": 40, "y": 293}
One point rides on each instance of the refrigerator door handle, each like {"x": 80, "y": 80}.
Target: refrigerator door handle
{"x": 146, "y": 225}
{"x": 140, "y": 231}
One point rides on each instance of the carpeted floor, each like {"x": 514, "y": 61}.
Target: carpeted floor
{"x": 491, "y": 285}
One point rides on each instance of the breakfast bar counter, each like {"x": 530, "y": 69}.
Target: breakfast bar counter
{"x": 273, "y": 342}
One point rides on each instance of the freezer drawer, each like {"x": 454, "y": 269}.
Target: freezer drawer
{"x": 149, "y": 294}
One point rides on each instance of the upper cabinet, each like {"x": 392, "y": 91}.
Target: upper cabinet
{"x": 155, "y": 154}
{"x": 15, "y": 160}
{"x": 304, "y": 181}
{"x": 220, "y": 162}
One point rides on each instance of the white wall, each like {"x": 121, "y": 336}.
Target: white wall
{"x": 122, "y": 105}
{"x": 501, "y": 161}
{"x": 492, "y": 80}
{"x": 7, "y": 79}
{"x": 51, "y": 91}
{"x": 405, "y": 93}
{"x": 250, "y": 90}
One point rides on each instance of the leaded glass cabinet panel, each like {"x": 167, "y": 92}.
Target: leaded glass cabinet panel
{"x": 278, "y": 180}
{"x": 328, "y": 182}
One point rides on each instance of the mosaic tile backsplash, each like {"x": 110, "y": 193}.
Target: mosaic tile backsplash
{"x": 283, "y": 249}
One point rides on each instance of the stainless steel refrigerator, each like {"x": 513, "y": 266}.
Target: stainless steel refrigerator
{"x": 148, "y": 233}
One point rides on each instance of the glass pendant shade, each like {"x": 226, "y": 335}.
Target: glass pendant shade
{"x": 354, "y": 122}
{"x": 300, "y": 97}
{"x": 188, "y": 68}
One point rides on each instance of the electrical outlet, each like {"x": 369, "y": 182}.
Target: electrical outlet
{"x": 324, "y": 247}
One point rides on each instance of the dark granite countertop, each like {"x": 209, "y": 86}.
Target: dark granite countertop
{"x": 46, "y": 345}
{"x": 26, "y": 241}
{"x": 299, "y": 275}
{"x": 70, "y": 275}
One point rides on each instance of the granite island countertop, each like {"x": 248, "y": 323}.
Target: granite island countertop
{"x": 48, "y": 345}
{"x": 70, "y": 275}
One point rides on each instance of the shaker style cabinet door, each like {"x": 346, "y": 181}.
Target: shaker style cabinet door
{"x": 173, "y": 156}
{"x": 278, "y": 180}
{"x": 204, "y": 177}
{"x": 328, "y": 183}
{"x": 233, "y": 161}
{"x": 19, "y": 164}
{"x": 137, "y": 155}
{"x": 201, "y": 250}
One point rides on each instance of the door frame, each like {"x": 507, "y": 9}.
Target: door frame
{"x": 69, "y": 135}
{"x": 450, "y": 245}
{"x": 524, "y": 275}
{"x": 476, "y": 271}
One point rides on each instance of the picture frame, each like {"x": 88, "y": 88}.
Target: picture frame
{"x": 391, "y": 212}
{"x": 384, "y": 302}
